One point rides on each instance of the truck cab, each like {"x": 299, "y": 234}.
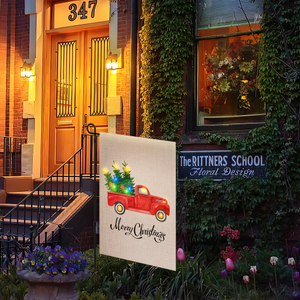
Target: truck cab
{"x": 142, "y": 202}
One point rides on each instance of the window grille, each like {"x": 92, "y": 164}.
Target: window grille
{"x": 66, "y": 79}
{"x": 98, "y": 76}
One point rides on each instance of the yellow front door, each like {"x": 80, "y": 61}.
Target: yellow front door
{"x": 78, "y": 91}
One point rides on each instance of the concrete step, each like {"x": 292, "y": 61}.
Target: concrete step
{"x": 16, "y": 183}
{"x": 49, "y": 197}
{"x": 67, "y": 184}
{"x": 18, "y": 227}
{"x": 32, "y": 211}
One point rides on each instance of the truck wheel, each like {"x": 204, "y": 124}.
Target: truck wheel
{"x": 119, "y": 208}
{"x": 161, "y": 215}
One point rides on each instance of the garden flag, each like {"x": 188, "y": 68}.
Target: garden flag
{"x": 138, "y": 199}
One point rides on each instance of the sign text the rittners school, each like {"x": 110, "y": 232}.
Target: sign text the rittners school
{"x": 219, "y": 165}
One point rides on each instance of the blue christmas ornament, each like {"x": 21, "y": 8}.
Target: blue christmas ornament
{"x": 129, "y": 188}
{"x": 116, "y": 179}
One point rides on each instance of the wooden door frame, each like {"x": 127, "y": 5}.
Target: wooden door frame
{"x": 45, "y": 136}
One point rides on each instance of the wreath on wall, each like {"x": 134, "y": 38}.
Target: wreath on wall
{"x": 232, "y": 71}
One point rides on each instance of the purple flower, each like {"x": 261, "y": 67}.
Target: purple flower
{"x": 192, "y": 258}
{"x": 295, "y": 250}
{"x": 38, "y": 265}
{"x": 54, "y": 271}
{"x": 297, "y": 276}
{"x": 48, "y": 271}
{"x": 57, "y": 248}
{"x": 224, "y": 273}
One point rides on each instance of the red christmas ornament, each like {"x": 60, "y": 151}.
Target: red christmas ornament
{"x": 122, "y": 187}
{"x": 110, "y": 183}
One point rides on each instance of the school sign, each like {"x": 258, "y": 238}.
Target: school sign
{"x": 220, "y": 165}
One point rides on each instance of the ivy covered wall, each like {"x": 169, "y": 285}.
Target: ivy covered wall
{"x": 167, "y": 42}
{"x": 264, "y": 209}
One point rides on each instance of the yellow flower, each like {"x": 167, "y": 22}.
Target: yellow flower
{"x": 244, "y": 81}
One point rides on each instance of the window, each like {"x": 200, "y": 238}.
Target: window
{"x": 66, "y": 79}
{"x": 227, "y": 70}
{"x": 143, "y": 191}
{"x": 98, "y": 76}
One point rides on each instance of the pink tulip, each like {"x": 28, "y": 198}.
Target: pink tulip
{"x": 180, "y": 255}
{"x": 229, "y": 264}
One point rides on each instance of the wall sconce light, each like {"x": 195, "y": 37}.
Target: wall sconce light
{"x": 26, "y": 70}
{"x": 112, "y": 62}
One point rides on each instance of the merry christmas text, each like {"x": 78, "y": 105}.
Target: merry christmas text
{"x": 138, "y": 231}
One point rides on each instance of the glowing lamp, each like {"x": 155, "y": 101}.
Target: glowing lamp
{"x": 112, "y": 62}
{"x": 105, "y": 171}
{"x": 26, "y": 70}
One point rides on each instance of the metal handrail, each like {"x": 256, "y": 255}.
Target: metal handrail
{"x": 11, "y": 152}
{"x": 35, "y": 212}
{"x": 41, "y": 192}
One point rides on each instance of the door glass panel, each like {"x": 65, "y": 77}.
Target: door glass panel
{"x": 66, "y": 79}
{"x": 98, "y": 76}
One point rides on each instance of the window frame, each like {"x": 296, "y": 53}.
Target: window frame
{"x": 192, "y": 87}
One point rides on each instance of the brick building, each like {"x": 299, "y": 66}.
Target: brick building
{"x": 79, "y": 57}
{"x": 65, "y": 92}
{"x": 70, "y": 87}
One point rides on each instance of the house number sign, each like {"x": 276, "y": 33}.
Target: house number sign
{"x": 78, "y": 12}
{"x": 82, "y": 11}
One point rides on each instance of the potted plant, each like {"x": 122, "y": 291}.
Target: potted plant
{"x": 52, "y": 273}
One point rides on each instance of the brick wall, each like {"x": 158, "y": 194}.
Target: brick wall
{"x": 20, "y": 84}
{"x": 3, "y": 48}
{"x": 123, "y": 75}
{"x": 85, "y": 240}
{"x": 14, "y": 48}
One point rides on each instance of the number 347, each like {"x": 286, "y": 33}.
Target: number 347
{"x": 82, "y": 10}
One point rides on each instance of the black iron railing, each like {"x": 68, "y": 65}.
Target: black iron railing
{"x": 15, "y": 248}
{"x": 25, "y": 222}
{"x": 11, "y": 155}
{"x": 46, "y": 200}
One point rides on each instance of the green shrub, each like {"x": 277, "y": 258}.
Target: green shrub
{"x": 11, "y": 287}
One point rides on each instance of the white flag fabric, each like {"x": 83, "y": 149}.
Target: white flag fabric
{"x": 138, "y": 199}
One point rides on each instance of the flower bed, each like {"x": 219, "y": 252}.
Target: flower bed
{"x": 53, "y": 262}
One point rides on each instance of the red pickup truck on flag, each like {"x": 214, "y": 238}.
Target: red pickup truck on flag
{"x": 142, "y": 202}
